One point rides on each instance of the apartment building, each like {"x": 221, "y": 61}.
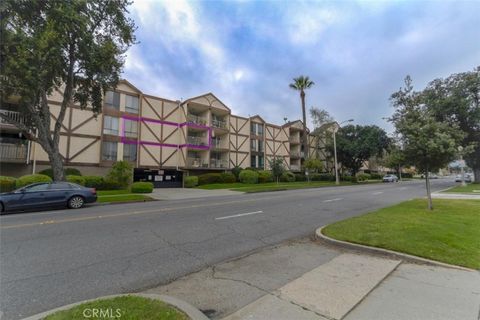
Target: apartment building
{"x": 163, "y": 139}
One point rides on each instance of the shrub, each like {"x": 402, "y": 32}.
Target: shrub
{"x": 31, "y": 178}
{"x": 287, "y": 177}
{"x": 265, "y": 176}
{"x": 300, "y": 177}
{"x": 208, "y": 178}
{"x": 76, "y": 179}
{"x": 376, "y": 176}
{"x": 251, "y": 169}
{"x": 191, "y": 181}
{"x": 142, "y": 187}
{"x": 93, "y": 182}
{"x": 111, "y": 185}
{"x": 227, "y": 177}
{"x": 346, "y": 178}
{"x": 407, "y": 175}
{"x": 121, "y": 173}
{"x": 248, "y": 176}
{"x": 322, "y": 177}
{"x": 7, "y": 184}
{"x": 236, "y": 171}
{"x": 66, "y": 172}
{"x": 363, "y": 177}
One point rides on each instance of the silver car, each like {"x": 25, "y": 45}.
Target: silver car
{"x": 390, "y": 178}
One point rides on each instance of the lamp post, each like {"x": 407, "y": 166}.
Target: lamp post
{"x": 337, "y": 178}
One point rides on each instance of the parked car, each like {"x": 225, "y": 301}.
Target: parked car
{"x": 47, "y": 195}
{"x": 390, "y": 178}
{"x": 468, "y": 178}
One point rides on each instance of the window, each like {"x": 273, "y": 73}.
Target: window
{"x": 253, "y": 145}
{"x": 60, "y": 186}
{"x": 109, "y": 151}
{"x": 131, "y": 104}
{"x": 253, "y": 129}
{"x": 260, "y": 146}
{"x": 37, "y": 187}
{"x": 110, "y": 125}
{"x": 260, "y": 162}
{"x": 129, "y": 152}
{"x": 130, "y": 128}
{"x": 259, "y": 129}
{"x": 256, "y": 129}
{"x": 253, "y": 161}
{"x": 112, "y": 99}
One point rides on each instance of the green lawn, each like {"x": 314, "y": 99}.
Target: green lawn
{"x": 449, "y": 233}
{"x": 469, "y": 188}
{"x": 112, "y": 192}
{"x": 125, "y": 308}
{"x": 273, "y": 186}
{"x": 120, "y": 196}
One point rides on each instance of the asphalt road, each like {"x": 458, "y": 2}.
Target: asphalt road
{"x": 52, "y": 258}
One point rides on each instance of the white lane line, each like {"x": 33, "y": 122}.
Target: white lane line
{"x": 331, "y": 200}
{"x": 376, "y": 193}
{"x": 239, "y": 215}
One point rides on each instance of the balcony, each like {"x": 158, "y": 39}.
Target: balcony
{"x": 196, "y": 141}
{"x": 294, "y": 140}
{"x": 295, "y": 154}
{"x": 219, "y": 124}
{"x": 196, "y": 163}
{"x": 217, "y": 163}
{"x": 217, "y": 144}
{"x": 15, "y": 116}
{"x": 10, "y": 152}
{"x": 192, "y": 118}
{"x": 295, "y": 167}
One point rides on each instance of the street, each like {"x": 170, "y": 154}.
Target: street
{"x": 53, "y": 258}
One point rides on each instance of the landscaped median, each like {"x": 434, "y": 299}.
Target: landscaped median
{"x": 449, "y": 233}
{"x": 471, "y": 188}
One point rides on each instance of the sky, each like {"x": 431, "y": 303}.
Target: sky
{"x": 247, "y": 52}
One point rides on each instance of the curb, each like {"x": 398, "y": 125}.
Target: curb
{"x": 349, "y": 245}
{"x": 183, "y": 306}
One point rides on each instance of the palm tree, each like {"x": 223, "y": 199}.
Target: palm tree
{"x": 301, "y": 84}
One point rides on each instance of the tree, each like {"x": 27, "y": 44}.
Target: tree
{"x": 356, "y": 144}
{"x": 74, "y": 47}
{"x": 301, "y": 84}
{"x": 321, "y": 118}
{"x": 277, "y": 167}
{"x": 456, "y": 101}
{"x": 395, "y": 159}
{"x": 427, "y": 143}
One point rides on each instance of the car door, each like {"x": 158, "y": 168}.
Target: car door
{"x": 30, "y": 197}
{"x": 59, "y": 193}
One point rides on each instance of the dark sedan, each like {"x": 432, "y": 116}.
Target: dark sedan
{"x": 47, "y": 195}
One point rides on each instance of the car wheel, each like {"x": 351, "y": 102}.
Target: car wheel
{"x": 76, "y": 202}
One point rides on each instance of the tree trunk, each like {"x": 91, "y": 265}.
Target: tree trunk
{"x": 429, "y": 193}
{"x": 304, "y": 115}
{"x": 476, "y": 172}
{"x": 56, "y": 162}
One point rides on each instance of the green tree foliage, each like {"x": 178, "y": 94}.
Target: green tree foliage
{"x": 301, "y": 84}
{"x": 75, "y": 48}
{"x": 356, "y": 144}
{"x": 277, "y": 167}
{"x": 313, "y": 165}
{"x": 456, "y": 101}
{"x": 428, "y": 144}
{"x": 121, "y": 173}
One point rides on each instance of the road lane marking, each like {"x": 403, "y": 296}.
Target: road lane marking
{"x": 332, "y": 200}
{"x": 377, "y": 193}
{"x": 239, "y": 215}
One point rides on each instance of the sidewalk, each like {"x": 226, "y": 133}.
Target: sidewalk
{"x": 439, "y": 195}
{"x": 309, "y": 280}
{"x": 188, "y": 193}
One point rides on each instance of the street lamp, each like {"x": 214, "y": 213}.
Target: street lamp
{"x": 337, "y": 178}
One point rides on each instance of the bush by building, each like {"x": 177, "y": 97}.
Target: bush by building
{"x": 363, "y": 177}
{"x": 7, "y": 184}
{"x": 66, "y": 171}
{"x": 227, "y": 177}
{"x": 94, "y": 182}
{"x": 208, "y": 178}
{"x": 300, "y": 177}
{"x": 31, "y": 178}
{"x": 142, "y": 187}
{"x": 236, "y": 171}
{"x": 376, "y": 176}
{"x": 121, "y": 173}
{"x": 248, "y": 176}
{"x": 76, "y": 179}
{"x": 287, "y": 177}
{"x": 265, "y": 176}
{"x": 191, "y": 181}
{"x": 111, "y": 185}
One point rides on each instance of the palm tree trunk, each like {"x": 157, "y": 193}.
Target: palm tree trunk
{"x": 305, "y": 137}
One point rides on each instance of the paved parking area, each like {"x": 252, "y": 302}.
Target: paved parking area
{"x": 188, "y": 193}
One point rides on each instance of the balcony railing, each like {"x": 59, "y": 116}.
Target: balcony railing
{"x": 197, "y": 141}
{"x": 196, "y": 163}
{"x": 217, "y": 144}
{"x": 295, "y": 167}
{"x": 197, "y": 119}
{"x": 15, "y": 116}
{"x": 10, "y": 152}
{"x": 216, "y": 163}
{"x": 219, "y": 124}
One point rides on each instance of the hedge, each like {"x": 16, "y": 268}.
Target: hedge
{"x": 31, "y": 178}
{"x": 208, "y": 178}
{"x": 94, "y": 182}
{"x": 376, "y": 176}
{"x": 191, "y": 181}
{"x": 322, "y": 177}
{"x": 265, "y": 176}
{"x": 227, "y": 177}
{"x": 142, "y": 187}
{"x": 363, "y": 177}
{"x": 287, "y": 177}
{"x": 76, "y": 179}
{"x": 248, "y": 176}
{"x": 236, "y": 171}
{"x": 7, "y": 184}
{"x": 300, "y": 177}
{"x": 66, "y": 171}
{"x": 111, "y": 185}
{"x": 407, "y": 175}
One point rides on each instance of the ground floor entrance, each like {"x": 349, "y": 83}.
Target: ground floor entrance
{"x": 161, "y": 178}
